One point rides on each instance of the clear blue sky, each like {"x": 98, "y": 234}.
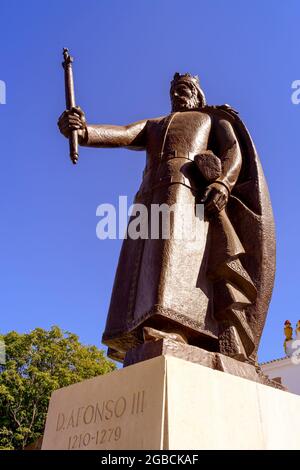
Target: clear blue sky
{"x": 53, "y": 268}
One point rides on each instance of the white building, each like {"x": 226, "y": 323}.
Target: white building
{"x": 287, "y": 370}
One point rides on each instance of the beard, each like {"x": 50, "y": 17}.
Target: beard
{"x": 185, "y": 104}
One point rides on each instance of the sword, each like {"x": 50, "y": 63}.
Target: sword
{"x": 70, "y": 102}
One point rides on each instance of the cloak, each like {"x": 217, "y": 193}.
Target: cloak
{"x": 250, "y": 212}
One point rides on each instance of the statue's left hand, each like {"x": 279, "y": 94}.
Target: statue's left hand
{"x": 215, "y": 198}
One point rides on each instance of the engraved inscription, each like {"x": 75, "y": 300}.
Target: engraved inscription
{"x": 138, "y": 400}
{"x": 101, "y": 436}
{"x": 99, "y": 413}
{"x": 92, "y": 413}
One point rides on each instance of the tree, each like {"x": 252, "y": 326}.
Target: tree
{"x": 38, "y": 363}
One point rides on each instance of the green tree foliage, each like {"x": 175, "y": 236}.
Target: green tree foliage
{"x": 36, "y": 364}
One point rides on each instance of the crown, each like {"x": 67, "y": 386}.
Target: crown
{"x": 186, "y": 77}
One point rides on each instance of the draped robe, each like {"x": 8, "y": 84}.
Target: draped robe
{"x": 194, "y": 286}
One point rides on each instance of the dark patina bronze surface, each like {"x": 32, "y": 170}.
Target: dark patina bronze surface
{"x": 214, "y": 297}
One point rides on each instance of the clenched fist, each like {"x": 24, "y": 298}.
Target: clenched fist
{"x": 73, "y": 119}
{"x": 215, "y": 198}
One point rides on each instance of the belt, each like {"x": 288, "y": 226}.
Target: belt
{"x": 172, "y": 179}
{"x": 169, "y": 155}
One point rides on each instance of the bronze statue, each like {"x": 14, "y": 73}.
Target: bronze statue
{"x": 215, "y": 296}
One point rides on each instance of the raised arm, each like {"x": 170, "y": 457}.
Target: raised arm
{"x": 132, "y": 136}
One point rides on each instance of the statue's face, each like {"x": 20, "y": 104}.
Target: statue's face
{"x": 183, "y": 97}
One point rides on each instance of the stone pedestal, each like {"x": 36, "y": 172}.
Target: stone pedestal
{"x": 170, "y": 403}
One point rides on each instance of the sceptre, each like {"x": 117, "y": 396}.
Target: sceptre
{"x": 70, "y": 102}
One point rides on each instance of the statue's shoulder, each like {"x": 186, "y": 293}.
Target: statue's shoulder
{"x": 222, "y": 110}
{"x": 158, "y": 119}
{"x": 156, "y": 124}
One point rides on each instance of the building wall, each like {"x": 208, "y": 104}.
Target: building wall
{"x": 287, "y": 369}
